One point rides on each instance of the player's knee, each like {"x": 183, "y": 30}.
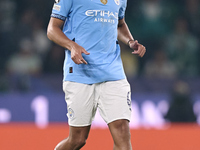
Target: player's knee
{"x": 80, "y": 142}
{"x": 121, "y": 124}
{"x": 121, "y": 127}
{"x": 124, "y": 130}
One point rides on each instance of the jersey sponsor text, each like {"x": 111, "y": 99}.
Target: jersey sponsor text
{"x": 100, "y": 14}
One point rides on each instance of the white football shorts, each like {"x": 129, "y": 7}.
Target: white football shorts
{"x": 112, "y": 98}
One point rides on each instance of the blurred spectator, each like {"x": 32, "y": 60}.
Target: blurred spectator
{"x": 181, "y": 107}
{"x": 130, "y": 62}
{"x": 40, "y": 41}
{"x": 182, "y": 48}
{"x": 53, "y": 62}
{"x": 192, "y": 12}
{"x": 7, "y": 15}
{"x": 23, "y": 65}
{"x": 32, "y": 26}
{"x": 7, "y": 24}
{"x": 151, "y": 22}
{"x": 24, "y": 27}
{"x": 160, "y": 67}
{"x": 4, "y": 83}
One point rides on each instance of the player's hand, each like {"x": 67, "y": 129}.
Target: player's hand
{"x": 138, "y": 48}
{"x": 76, "y": 54}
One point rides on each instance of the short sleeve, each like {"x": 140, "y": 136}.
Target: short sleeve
{"x": 122, "y": 9}
{"x": 61, "y": 9}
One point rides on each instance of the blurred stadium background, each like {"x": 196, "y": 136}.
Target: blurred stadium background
{"x": 165, "y": 83}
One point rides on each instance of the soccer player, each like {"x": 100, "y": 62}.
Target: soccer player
{"x": 94, "y": 78}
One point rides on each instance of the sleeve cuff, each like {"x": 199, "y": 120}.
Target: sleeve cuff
{"x": 120, "y": 18}
{"x": 58, "y": 16}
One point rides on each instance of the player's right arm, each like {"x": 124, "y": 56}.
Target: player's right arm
{"x": 55, "y": 34}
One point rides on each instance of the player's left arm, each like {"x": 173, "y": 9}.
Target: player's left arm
{"x": 125, "y": 36}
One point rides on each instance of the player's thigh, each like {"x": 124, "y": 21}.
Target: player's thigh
{"x": 79, "y": 133}
{"x": 79, "y": 98}
{"x": 120, "y": 131}
{"x": 115, "y": 101}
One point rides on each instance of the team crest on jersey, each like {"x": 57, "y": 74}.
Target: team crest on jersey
{"x": 104, "y": 1}
{"x": 117, "y": 2}
{"x": 57, "y": 1}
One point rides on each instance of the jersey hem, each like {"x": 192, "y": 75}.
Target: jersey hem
{"x": 85, "y": 81}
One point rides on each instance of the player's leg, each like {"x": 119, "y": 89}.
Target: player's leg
{"x": 115, "y": 108}
{"x": 76, "y": 139}
{"x": 121, "y": 134}
{"x": 81, "y": 109}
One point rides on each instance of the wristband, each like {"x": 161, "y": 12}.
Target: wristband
{"x": 129, "y": 41}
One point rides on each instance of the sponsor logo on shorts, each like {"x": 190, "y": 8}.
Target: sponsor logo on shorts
{"x": 70, "y": 113}
{"x": 129, "y": 100}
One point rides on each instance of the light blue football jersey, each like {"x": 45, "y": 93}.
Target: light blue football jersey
{"x": 93, "y": 25}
